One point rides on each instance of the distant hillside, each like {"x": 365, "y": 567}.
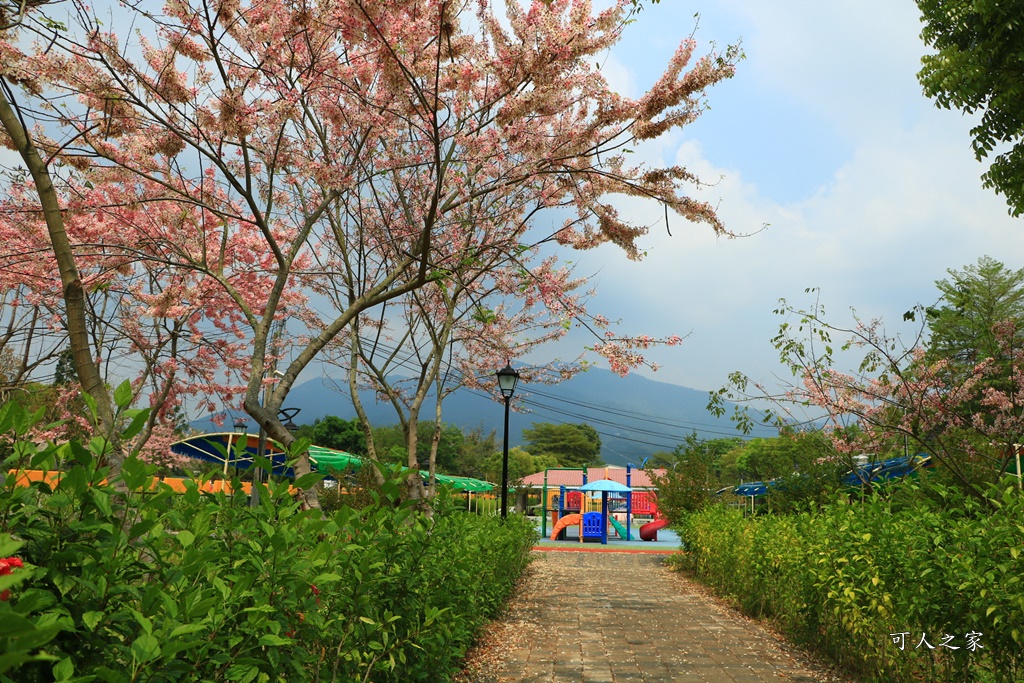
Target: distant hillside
{"x": 635, "y": 416}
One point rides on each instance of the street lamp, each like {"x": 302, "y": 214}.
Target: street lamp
{"x": 289, "y": 414}
{"x": 240, "y": 430}
{"x": 507, "y": 380}
{"x": 261, "y": 450}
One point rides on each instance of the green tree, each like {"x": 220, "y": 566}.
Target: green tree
{"x": 896, "y": 400}
{"x": 573, "y": 445}
{"x": 974, "y": 300}
{"x": 661, "y": 459}
{"x": 981, "y": 321}
{"x": 392, "y": 445}
{"x": 766, "y": 459}
{"x": 470, "y": 460}
{"x": 333, "y": 432}
{"x": 978, "y": 66}
{"x": 64, "y": 371}
{"x": 717, "y": 448}
{"x": 690, "y": 483}
{"x": 520, "y": 464}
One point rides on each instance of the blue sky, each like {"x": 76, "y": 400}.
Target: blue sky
{"x": 869, "y": 192}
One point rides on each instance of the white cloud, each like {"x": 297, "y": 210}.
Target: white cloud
{"x": 874, "y": 236}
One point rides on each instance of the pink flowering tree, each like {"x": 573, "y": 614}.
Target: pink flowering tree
{"x": 969, "y": 420}
{"x": 141, "y": 316}
{"x": 26, "y": 342}
{"x": 458, "y": 330}
{"x": 300, "y": 144}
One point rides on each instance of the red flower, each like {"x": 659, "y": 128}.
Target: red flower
{"x": 316, "y": 593}
{"x": 7, "y": 565}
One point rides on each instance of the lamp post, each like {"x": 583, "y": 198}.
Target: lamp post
{"x": 261, "y": 451}
{"x": 507, "y": 380}
{"x": 241, "y": 428}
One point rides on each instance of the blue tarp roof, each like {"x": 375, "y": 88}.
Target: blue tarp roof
{"x": 754, "y": 488}
{"x": 893, "y": 468}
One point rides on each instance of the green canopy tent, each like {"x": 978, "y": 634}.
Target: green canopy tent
{"x": 468, "y": 485}
{"x": 328, "y": 460}
{"x": 220, "y": 448}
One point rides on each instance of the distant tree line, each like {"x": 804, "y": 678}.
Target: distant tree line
{"x": 469, "y": 453}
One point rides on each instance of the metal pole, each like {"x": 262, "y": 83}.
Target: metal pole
{"x": 1016, "y": 452}
{"x": 261, "y": 452}
{"x": 504, "y": 466}
{"x": 544, "y": 507}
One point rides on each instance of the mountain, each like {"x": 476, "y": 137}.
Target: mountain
{"x": 635, "y": 416}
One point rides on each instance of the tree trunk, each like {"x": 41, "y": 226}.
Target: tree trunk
{"x": 72, "y": 291}
{"x": 266, "y": 417}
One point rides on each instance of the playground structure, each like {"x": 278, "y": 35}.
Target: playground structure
{"x": 597, "y": 507}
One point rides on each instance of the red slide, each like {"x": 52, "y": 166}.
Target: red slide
{"x": 649, "y": 531}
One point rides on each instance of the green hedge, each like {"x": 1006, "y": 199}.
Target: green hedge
{"x": 120, "y": 585}
{"x": 847, "y": 578}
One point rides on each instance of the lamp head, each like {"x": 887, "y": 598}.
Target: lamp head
{"x": 507, "y": 380}
{"x": 287, "y": 414}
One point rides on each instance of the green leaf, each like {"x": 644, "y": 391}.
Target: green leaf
{"x": 79, "y": 452}
{"x": 272, "y": 640}
{"x": 186, "y": 538}
{"x": 123, "y": 395}
{"x": 90, "y": 619}
{"x": 310, "y": 480}
{"x": 15, "y": 624}
{"x": 90, "y": 402}
{"x": 64, "y": 669}
{"x": 9, "y": 546}
{"x": 140, "y": 528}
{"x": 102, "y": 502}
{"x": 185, "y": 629}
{"x": 145, "y": 648}
{"x": 139, "y": 419}
{"x": 243, "y": 673}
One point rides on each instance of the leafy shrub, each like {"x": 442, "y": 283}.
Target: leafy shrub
{"x": 127, "y": 581}
{"x": 848, "y": 577}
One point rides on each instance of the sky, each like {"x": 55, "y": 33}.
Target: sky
{"x": 824, "y": 150}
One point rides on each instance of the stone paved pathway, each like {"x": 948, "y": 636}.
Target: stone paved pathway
{"x": 625, "y": 618}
